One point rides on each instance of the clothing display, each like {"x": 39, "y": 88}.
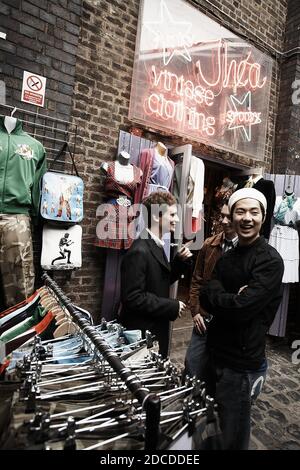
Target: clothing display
{"x": 85, "y": 385}
{"x": 278, "y": 327}
{"x": 16, "y": 257}
{"x": 195, "y": 189}
{"x": 285, "y": 238}
{"x": 284, "y": 235}
{"x": 122, "y": 180}
{"x": 157, "y": 173}
{"x": 91, "y": 387}
{"x": 22, "y": 165}
{"x": 119, "y": 195}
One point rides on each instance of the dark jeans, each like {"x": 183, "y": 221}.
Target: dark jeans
{"x": 196, "y": 359}
{"x": 235, "y": 393}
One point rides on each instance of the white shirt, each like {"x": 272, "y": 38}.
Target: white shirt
{"x": 157, "y": 240}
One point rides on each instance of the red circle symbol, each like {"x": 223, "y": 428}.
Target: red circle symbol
{"x": 34, "y": 83}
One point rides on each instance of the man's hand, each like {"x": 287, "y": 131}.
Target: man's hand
{"x": 199, "y": 323}
{"x": 181, "y": 309}
{"x": 184, "y": 253}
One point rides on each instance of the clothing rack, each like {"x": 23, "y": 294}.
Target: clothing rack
{"x": 50, "y": 131}
{"x": 149, "y": 401}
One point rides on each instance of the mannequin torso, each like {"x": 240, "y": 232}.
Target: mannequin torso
{"x": 161, "y": 149}
{"x": 10, "y": 123}
{"x": 124, "y": 172}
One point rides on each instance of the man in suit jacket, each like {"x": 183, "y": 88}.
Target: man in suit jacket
{"x": 146, "y": 274}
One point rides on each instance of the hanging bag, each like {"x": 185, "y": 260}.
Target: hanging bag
{"x": 62, "y": 194}
{"x": 61, "y": 247}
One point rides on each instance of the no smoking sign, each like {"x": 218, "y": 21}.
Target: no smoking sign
{"x": 33, "y": 89}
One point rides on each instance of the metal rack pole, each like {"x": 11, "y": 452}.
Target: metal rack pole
{"x": 149, "y": 401}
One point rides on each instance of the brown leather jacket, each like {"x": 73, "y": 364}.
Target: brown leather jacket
{"x": 206, "y": 260}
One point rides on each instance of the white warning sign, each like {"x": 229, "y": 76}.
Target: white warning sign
{"x": 33, "y": 89}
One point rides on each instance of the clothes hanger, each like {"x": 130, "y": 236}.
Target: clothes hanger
{"x": 65, "y": 328}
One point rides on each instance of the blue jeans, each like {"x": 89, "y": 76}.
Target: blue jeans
{"x": 235, "y": 393}
{"x": 196, "y": 359}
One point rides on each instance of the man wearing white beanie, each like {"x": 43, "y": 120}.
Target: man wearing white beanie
{"x": 243, "y": 297}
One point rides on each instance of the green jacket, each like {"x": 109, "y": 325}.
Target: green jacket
{"x": 22, "y": 164}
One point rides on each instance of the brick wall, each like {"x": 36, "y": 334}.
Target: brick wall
{"x": 102, "y": 93}
{"x": 42, "y": 38}
{"x": 287, "y": 150}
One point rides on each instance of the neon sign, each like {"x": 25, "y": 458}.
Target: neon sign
{"x": 176, "y": 99}
{"x": 242, "y": 119}
{"x": 233, "y": 73}
{"x": 176, "y": 41}
{"x": 188, "y": 80}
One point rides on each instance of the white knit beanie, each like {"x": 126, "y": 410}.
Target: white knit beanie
{"x": 246, "y": 193}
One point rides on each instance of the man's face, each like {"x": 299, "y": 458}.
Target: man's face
{"x": 247, "y": 219}
{"x": 169, "y": 219}
{"x": 226, "y": 223}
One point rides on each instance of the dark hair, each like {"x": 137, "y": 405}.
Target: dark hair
{"x": 160, "y": 199}
{"x": 261, "y": 208}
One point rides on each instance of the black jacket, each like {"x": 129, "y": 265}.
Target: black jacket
{"x": 146, "y": 276}
{"x": 237, "y": 331}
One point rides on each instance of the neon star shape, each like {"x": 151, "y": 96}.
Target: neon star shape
{"x": 169, "y": 31}
{"x": 247, "y": 114}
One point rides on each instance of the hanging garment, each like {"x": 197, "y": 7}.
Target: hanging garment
{"x": 284, "y": 237}
{"x": 195, "y": 189}
{"x": 28, "y": 302}
{"x": 162, "y": 171}
{"x": 278, "y": 326}
{"x": 22, "y": 165}
{"x": 157, "y": 174}
{"x": 24, "y": 325}
{"x": 16, "y": 257}
{"x": 38, "y": 329}
{"x": 13, "y": 319}
{"x": 120, "y": 197}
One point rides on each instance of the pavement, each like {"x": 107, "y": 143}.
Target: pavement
{"x": 276, "y": 413}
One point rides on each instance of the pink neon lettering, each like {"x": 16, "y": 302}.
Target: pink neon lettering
{"x": 233, "y": 73}
{"x": 178, "y": 112}
{"x": 236, "y": 117}
{"x": 166, "y": 81}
